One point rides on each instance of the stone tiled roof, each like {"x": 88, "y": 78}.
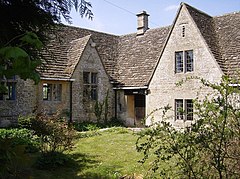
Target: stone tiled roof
{"x": 138, "y": 56}
{"x": 130, "y": 59}
{"x": 65, "y": 48}
{"x": 222, "y": 36}
{"x": 60, "y": 59}
{"x": 227, "y": 28}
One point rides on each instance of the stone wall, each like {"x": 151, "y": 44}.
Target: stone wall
{"x": 24, "y": 104}
{"x": 83, "y": 110}
{"x": 54, "y": 106}
{"x": 162, "y": 88}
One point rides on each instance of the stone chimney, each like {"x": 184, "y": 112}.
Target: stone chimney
{"x": 142, "y": 20}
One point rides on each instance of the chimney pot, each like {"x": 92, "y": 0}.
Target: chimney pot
{"x": 142, "y": 21}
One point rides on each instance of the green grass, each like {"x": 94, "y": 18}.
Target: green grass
{"x": 110, "y": 154}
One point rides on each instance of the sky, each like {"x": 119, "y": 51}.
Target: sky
{"x": 118, "y": 17}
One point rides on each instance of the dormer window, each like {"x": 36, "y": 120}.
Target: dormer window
{"x": 184, "y": 61}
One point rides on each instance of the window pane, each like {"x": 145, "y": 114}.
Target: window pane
{"x": 178, "y": 62}
{"x": 179, "y": 109}
{"x": 86, "y": 77}
{"x": 189, "y": 60}
{"x": 94, "y": 78}
{"x": 46, "y": 91}
{"x": 94, "y": 93}
{"x": 189, "y": 109}
{"x": 11, "y": 91}
{"x": 57, "y": 92}
{"x": 86, "y": 91}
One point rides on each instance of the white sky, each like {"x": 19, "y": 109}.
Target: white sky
{"x": 118, "y": 16}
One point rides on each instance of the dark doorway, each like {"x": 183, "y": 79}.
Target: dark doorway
{"x": 139, "y": 104}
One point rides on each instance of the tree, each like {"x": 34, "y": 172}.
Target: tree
{"x": 209, "y": 148}
{"x": 23, "y": 32}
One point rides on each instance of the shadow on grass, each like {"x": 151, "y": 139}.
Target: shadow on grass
{"x": 74, "y": 168}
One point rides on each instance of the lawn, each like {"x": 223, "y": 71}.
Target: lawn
{"x": 109, "y": 154}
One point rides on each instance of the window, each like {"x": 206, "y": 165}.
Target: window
{"x": 179, "y": 62}
{"x": 184, "y": 109}
{"x": 90, "y": 85}
{"x": 52, "y": 92}
{"x": 184, "y": 61}
{"x": 179, "y": 109}
{"x": 189, "y": 109}
{"x": 9, "y": 89}
{"x": 183, "y": 31}
{"x": 189, "y": 61}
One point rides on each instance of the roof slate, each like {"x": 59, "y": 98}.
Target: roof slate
{"x": 227, "y": 28}
{"x": 130, "y": 59}
{"x": 222, "y": 35}
{"x": 138, "y": 56}
{"x": 58, "y": 60}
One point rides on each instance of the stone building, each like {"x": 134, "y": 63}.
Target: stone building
{"x": 137, "y": 71}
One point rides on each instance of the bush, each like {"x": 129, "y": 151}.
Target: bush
{"x": 91, "y": 126}
{"x": 20, "y": 137}
{"x": 208, "y": 148}
{"x": 14, "y": 143}
{"x": 55, "y": 136}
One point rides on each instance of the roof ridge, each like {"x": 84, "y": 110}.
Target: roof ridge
{"x": 227, "y": 14}
{"x": 85, "y": 37}
{"x": 195, "y": 9}
{"x": 91, "y": 30}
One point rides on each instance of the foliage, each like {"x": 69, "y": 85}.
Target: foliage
{"x": 14, "y": 143}
{"x": 91, "y": 126}
{"x": 101, "y": 108}
{"x": 16, "y": 60}
{"x": 106, "y": 107}
{"x": 56, "y": 136}
{"x": 209, "y": 148}
{"x": 19, "y": 136}
{"x": 24, "y": 29}
{"x": 98, "y": 109}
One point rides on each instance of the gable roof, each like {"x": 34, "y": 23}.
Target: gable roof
{"x": 66, "y": 45}
{"x": 138, "y": 56}
{"x": 227, "y": 28}
{"x": 222, "y": 36}
{"x": 61, "y": 59}
{"x": 130, "y": 60}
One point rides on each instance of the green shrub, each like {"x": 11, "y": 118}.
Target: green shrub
{"x": 55, "y": 134}
{"x": 14, "y": 143}
{"x": 91, "y": 126}
{"x": 208, "y": 148}
{"x": 20, "y": 137}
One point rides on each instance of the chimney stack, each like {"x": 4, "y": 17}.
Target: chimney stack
{"x": 142, "y": 20}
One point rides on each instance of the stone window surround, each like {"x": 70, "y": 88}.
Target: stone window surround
{"x": 90, "y": 85}
{"x": 52, "y": 91}
{"x": 184, "y": 61}
{"x": 10, "y": 84}
{"x": 184, "y": 109}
